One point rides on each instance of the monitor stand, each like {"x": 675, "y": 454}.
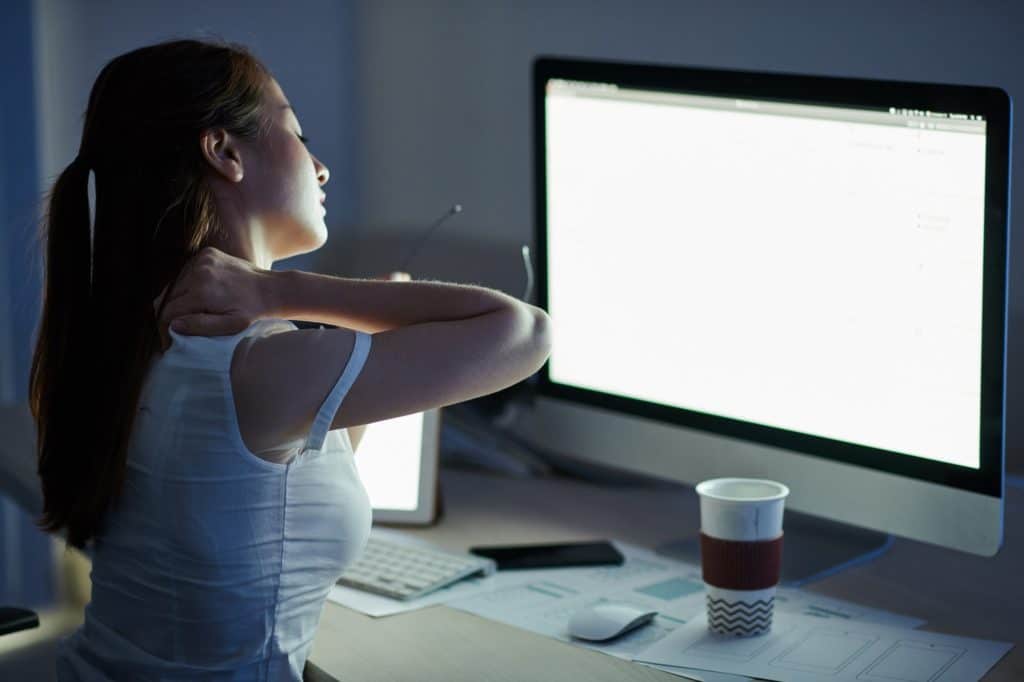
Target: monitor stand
{"x": 813, "y": 548}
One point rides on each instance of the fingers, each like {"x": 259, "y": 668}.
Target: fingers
{"x": 180, "y": 305}
{"x": 158, "y": 299}
{"x": 178, "y": 289}
{"x": 182, "y": 283}
{"x": 161, "y": 325}
{"x": 172, "y": 309}
{"x": 177, "y": 315}
{"x": 176, "y": 307}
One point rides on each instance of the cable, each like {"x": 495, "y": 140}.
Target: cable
{"x": 456, "y": 208}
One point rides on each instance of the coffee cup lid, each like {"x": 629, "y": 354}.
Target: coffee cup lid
{"x": 743, "y": 489}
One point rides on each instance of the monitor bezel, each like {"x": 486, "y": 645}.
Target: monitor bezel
{"x": 990, "y": 102}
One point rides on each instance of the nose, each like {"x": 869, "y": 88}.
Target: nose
{"x": 322, "y": 172}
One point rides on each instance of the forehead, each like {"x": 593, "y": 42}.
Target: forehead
{"x": 279, "y": 105}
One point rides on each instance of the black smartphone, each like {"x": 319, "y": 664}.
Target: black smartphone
{"x": 509, "y": 557}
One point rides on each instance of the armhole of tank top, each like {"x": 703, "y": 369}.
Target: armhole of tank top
{"x": 234, "y": 426}
{"x": 325, "y": 415}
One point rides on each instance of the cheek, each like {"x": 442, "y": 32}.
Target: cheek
{"x": 298, "y": 183}
{"x": 283, "y": 186}
{"x": 279, "y": 190}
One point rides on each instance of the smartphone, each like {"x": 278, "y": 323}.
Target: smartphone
{"x": 510, "y": 557}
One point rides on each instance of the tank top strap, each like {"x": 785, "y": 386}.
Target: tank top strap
{"x": 324, "y": 417}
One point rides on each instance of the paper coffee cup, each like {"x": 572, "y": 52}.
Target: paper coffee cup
{"x": 741, "y": 552}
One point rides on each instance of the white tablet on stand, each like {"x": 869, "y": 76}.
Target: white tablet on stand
{"x": 397, "y": 460}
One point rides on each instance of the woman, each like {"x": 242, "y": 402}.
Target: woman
{"x": 207, "y": 467}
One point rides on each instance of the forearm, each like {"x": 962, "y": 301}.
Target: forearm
{"x": 374, "y": 305}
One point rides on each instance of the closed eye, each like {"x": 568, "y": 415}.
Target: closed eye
{"x": 305, "y": 140}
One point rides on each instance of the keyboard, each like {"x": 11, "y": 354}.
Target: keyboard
{"x": 405, "y": 572}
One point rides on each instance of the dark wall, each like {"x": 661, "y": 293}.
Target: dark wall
{"x": 444, "y": 96}
{"x": 26, "y": 569}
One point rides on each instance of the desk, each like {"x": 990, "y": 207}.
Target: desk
{"x": 959, "y": 594}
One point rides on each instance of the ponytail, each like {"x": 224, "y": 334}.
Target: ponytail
{"x": 97, "y": 334}
{"x": 60, "y": 363}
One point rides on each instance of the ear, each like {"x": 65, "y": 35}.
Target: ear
{"x": 220, "y": 149}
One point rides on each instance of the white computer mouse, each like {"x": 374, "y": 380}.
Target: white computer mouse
{"x": 607, "y": 620}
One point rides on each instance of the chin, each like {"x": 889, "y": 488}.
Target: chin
{"x": 298, "y": 236}
{"x": 308, "y": 241}
{"x": 319, "y": 237}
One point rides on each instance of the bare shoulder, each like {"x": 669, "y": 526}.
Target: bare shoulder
{"x": 279, "y": 381}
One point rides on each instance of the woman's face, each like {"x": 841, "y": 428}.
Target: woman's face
{"x": 282, "y": 187}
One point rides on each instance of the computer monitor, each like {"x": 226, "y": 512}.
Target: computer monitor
{"x": 397, "y": 461}
{"x": 780, "y": 276}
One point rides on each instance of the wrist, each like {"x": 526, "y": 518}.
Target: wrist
{"x": 276, "y": 290}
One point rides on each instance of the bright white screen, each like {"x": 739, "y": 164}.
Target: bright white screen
{"x": 822, "y": 276}
{"x": 388, "y": 462}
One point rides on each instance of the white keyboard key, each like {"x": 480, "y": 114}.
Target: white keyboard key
{"x": 406, "y": 572}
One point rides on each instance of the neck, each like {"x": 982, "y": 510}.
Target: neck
{"x": 243, "y": 238}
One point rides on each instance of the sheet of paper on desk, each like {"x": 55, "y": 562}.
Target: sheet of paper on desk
{"x": 803, "y": 648}
{"x": 544, "y": 600}
{"x": 377, "y": 606}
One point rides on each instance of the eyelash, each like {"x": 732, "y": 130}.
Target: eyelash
{"x": 305, "y": 140}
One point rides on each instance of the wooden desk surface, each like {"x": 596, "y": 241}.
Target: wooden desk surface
{"x": 954, "y": 593}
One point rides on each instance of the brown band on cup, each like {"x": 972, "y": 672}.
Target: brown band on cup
{"x": 740, "y": 564}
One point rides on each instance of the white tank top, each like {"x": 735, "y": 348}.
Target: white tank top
{"x": 216, "y": 563}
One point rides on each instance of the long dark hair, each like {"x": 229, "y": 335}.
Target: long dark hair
{"x": 154, "y": 210}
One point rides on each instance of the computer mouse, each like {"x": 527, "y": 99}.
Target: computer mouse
{"x": 604, "y": 621}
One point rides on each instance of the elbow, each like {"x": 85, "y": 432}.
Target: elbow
{"x": 541, "y": 336}
{"x": 527, "y": 340}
